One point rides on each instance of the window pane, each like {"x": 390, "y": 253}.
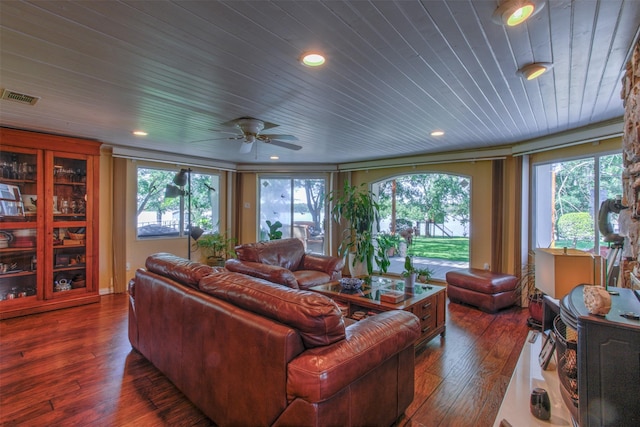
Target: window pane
{"x": 610, "y": 188}
{"x": 436, "y": 208}
{"x": 205, "y": 202}
{"x": 308, "y": 213}
{"x": 567, "y": 201}
{"x": 574, "y": 204}
{"x": 163, "y": 209}
{"x": 275, "y": 205}
{"x": 298, "y": 205}
{"x": 155, "y": 217}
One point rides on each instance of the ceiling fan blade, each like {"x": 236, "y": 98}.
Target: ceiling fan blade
{"x": 246, "y": 147}
{"x": 278, "y": 136}
{"x": 235, "y": 137}
{"x": 283, "y": 144}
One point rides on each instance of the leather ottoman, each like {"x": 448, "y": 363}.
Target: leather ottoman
{"x": 488, "y": 291}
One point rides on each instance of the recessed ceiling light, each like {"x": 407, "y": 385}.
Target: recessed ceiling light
{"x": 312, "y": 59}
{"x": 437, "y": 133}
{"x": 535, "y": 70}
{"x": 515, "y": 12}
{"x": 274, "y": 157}
{"x": 140, "y": 133}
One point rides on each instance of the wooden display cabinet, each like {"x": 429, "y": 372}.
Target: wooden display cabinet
{"x": 48, "y": 222}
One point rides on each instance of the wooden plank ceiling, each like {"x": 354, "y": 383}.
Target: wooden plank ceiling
{"x": 395, "y": 71}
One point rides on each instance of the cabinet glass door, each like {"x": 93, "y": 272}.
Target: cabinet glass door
{"x": 69, "y": 226}
{"x": 18, "y": 225}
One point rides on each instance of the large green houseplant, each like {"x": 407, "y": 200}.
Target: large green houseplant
{"x": 359, "y": 208}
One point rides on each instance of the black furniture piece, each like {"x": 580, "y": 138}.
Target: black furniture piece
{"x": 608, "y": 360}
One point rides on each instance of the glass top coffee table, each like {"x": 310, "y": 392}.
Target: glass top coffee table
{"x": 379, "y": 293}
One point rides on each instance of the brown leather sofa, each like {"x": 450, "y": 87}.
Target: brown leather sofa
{"x": 248, "y": 352}
{"x": 284, "y": 261}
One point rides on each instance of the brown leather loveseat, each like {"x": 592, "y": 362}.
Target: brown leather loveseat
{"x": 284, "y": 261}
{"x": 248, "y": 352}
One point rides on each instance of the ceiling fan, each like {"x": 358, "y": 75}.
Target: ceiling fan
{"x": 248, "y": 131}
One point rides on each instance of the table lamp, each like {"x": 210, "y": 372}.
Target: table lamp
{"x": 559, "y": 270}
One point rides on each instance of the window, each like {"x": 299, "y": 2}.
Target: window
{"x": 567, "y": 197}
{"x": 435, "y": 207}
{"x": 163, "y": 206}
{"x": 297, "y": 204}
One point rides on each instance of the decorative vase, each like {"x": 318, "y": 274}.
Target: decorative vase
{"x": 357, "y": 270}
{"x": 540, "y": 405}
{"x": 409, "y": 281}
{"x": 535, "y": 307}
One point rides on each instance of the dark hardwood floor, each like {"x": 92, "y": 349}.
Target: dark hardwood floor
{"x": 76, "y": 367}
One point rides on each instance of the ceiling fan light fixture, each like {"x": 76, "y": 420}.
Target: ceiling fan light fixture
{"x": 534, "y": 70}
{"x": 514, "y": 12}
{"x": 312, "y": 59}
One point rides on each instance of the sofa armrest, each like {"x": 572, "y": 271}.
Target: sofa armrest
{"x": 329, "y": 264}
{"x": 319, "y": 373}
{"x": 272, "y": 273}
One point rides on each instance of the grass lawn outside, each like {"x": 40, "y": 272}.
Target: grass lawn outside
{"x": 446, "y": 248}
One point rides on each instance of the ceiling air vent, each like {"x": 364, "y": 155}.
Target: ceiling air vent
{"x": 19, "y": 97}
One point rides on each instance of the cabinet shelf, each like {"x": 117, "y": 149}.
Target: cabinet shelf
{"x": 73, "y": 184}
{"x": 17, "y": 181}
{"x": 69, "y": 217}
{"x": 69, "y": 246}
{"x": 11, "y": 250}
{"x": 17, "y": 273}
{"x": 57, "y": 269}
{"x": 17, "y": 300}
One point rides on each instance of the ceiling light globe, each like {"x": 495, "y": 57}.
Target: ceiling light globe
{"x": 515, "y": 12}
{"x": 520, "y": 15}
{"x": 313, "y": 60}
{"x": 534, "y": 70}
{"x": 536, "y": 73}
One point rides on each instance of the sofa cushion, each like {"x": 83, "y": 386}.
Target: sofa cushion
{"x": 271, "y": 273}
{"x": 179, "y": 269}
{"x": 285, "y": 253}
{"x": 316, "y": 317}
{"x": 309, "y": 278}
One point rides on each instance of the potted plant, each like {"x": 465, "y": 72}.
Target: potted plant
{"x": 216, "y": 248}
{"x": 359, "y": 208}
{"x": 424, "y": 274}
{"x": 389, "y": 241}
{"x": 527, "y": 293}
{"x": 386, "y": 246}
{"x": 409, "y": 272}
{"x": 274, "y": 232}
